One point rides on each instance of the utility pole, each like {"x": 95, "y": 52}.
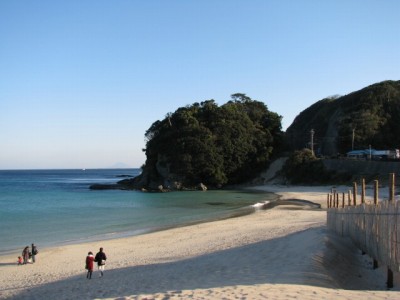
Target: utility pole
{"x": 370, "y": 153}
{"x": 352, "y": 139}
{"x": 312, "y": 141}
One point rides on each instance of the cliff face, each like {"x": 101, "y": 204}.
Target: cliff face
{"x": 366, "y": 117}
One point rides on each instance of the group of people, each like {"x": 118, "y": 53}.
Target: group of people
{"x": 28, "y": 256}
{"x": 100, "y": 259}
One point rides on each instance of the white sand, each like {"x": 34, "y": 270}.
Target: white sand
{"x": 281, "y": 253}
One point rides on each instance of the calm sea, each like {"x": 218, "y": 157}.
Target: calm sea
{"x": 53, "y": 207}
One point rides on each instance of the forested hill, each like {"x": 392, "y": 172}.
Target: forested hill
{"x": 210, "y": 144}
{"x": 370, "y": 116}
{"x": 232, "y": 143}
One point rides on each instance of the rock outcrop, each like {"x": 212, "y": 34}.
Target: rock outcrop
{"x": 147, "y": 182}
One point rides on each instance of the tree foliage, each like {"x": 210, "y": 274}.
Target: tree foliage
{"x": 372, "y": 114}
{"x": 302, "y": 167}
{"x": 216, "y": 145}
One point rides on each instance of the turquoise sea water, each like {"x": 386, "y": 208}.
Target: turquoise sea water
{"x": 52, "y": 207}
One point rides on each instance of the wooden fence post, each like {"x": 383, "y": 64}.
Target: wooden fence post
{"x": 362, "y": 202}
{"x": 391, "y": 190}
{"x": 343, "y": 196}
{"x": 375, "y": 264}
{"x": 354, "y": 193}
{"x": 327, "y": 201}
{"x": 376, "y": 191}
{"x": 337, "y": 200}
{"x": 363, "y": 190}
{"x": 376, "y": 195}
{"x": 389, "y": 282}
{"x": 349, "y": 194}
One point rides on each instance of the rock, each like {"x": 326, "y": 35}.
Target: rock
{"x": 202, "y": 187}
{"x": 106, "y": 187}
{"x": 177, "y": 185}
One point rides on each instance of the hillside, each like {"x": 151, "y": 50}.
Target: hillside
{"x": 366, "y": 117}
{"x": 210, "y": 144}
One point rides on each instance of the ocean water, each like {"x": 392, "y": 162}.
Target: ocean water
{"x": 54, "y": 207}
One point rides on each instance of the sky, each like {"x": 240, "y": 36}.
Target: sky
{"x": 82, "y": 80}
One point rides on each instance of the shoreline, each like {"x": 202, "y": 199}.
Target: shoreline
{"x": 237, "y": 213}
{"x": 279, "y": 252}
{"x": 122, "y": 213}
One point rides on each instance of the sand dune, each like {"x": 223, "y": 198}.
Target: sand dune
{"x": 281, "y": 253}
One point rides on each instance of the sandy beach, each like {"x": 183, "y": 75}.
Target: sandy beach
{"x": 281, "y": 253}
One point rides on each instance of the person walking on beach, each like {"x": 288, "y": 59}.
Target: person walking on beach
{"x": 89, "y": 265}
{"x": 34, "y": 252}
{"x": 25, "y": 255}
{"x": 101, "y": 261}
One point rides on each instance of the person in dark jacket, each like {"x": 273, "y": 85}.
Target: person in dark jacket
{"x": 89, "y": 265}
{"x": 34, "y": 252}
{"x": 100, "y": 258}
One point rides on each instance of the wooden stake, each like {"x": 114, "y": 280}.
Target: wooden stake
{"x": 354, "y": 193}
{"x": 391, "y": 190}
{"x": 363, "y": 190}
{"x": 375, "y": 264}
{"x": 376, "y": 191}
{"x": 389, "y": 282}
{"x": 349, "y": 193}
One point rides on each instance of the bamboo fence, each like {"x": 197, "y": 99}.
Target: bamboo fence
{"x": 372, "y": 227}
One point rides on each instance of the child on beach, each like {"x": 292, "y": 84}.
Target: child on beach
{"x": 20, "y": 260}
{"x": 89, "y": 265}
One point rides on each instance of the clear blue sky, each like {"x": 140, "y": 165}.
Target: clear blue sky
{"x": 82, "y": 80}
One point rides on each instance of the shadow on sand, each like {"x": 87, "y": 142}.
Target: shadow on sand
{"x": 8, "y": 264}
{"x": 309, "y": 257}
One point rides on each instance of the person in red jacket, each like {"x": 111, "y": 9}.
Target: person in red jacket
{"x": 89, "y": 265}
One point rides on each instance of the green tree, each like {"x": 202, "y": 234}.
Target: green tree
{"x": 214, "y": 144}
